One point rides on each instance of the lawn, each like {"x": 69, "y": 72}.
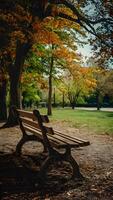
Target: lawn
{"x": 95, "y": 121}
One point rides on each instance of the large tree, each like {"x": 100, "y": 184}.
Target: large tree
{"x": 3, "y": 107}
{"x": 16, "y": 43}
{"x": 20, "y": 16}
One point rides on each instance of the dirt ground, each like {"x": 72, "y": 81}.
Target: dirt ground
{"x": 95, "y": 161}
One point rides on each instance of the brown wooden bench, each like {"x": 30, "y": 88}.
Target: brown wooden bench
{"x": 32, "y": 125}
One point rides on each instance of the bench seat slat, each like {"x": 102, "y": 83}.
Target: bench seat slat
{"x": 59, "y": 139}
{"x": 58, "y": 143}
{"x": 71, "y": 137}
{"x": 74, "y": 139}
{"x": 68, "y": 137}
{"x": 64, "y": 142}
{"x": 53, "y": 142}
{"x": 38, "y": 133}
{"x": 65, "y": 139}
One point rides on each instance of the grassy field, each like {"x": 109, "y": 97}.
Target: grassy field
{"x": 95, "y": 121}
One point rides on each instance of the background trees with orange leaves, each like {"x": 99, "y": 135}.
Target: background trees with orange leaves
{"x": 21, "y": 23}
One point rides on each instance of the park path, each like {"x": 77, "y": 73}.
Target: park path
{"x": 98, "y": 154}
{"x": 93, "y": 108}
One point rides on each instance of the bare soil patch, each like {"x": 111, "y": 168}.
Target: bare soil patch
{"x": 95, "y": 160}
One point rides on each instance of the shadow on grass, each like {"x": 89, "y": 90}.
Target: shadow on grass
{"x": 110, "y": 114}
{"x": 16, "y": 179}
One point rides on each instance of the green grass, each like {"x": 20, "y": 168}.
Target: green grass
{"x": 95, "y": 121}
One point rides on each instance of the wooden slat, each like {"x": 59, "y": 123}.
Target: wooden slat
{"x": 34, "y": 131}
{"x": 58, "y": 143}
{"x": 38, "y": 133}
{"x": 34, "y": 124}
{"x": 63, "y": 141}
{"x": 73, "y": 139}
{"x": 68, "y": 137}
{"x": 59, "y": 139}
{"x": 26, "y": 114}
{"x": 30, "y": 115}
{"x": 29, "y": 122}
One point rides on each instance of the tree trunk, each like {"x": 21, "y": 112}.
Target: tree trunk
{"x": 98, "y": 100}
{"x": 73, "y": 105}
{"x": 54, "y": 98}
{"x": 63, "y": 100}
{"x": 73, "y": 99}
{"x": 49, "y": 111}
{"x": 3, "y": 108}
{"x": 15, "y": 72}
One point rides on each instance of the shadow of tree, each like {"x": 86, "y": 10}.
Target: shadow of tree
{"x": 15, "y": 178}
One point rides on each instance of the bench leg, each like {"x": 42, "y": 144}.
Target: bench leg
{"x": 23, "y": 140}
{"x": 52, "y": 156}
{"x": 44, "y": 167}
{"x": 76, "y": 170}
{"x": 56, "y": 157}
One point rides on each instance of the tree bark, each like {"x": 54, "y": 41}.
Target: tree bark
{"x": 98, "y": 100}
{"x": 3, "y": 107}
{"x": 73, "y": 99}
{"x": 15, "y": 72}
{"x": 73, "y": 105}
{"x": 63, "y": 100}
{"x": 49, "y": 110}
{"x": 54, "y": 98}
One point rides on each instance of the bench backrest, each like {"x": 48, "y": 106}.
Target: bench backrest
{"x": 32, "y": 120}
{"x": 30, "y": 115}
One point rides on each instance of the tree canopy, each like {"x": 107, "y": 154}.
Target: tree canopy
{"x": 26, "y": 24}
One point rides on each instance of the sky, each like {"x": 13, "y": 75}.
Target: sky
{"x": 85, "y": 51}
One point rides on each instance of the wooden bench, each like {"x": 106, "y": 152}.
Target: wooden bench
{"x": 32, "y": 125}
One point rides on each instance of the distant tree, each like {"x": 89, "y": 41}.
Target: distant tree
{"x": 104, "y": 85}
{"x": 31, "y": 85}
{"x": 80, "y": 82}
